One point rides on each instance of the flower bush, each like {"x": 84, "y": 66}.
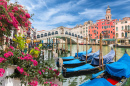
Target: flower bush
{"x": 12, "y": 15}
{"x": 28, "y": 67}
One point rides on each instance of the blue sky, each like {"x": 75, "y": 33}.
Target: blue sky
{"x": 49, "y": 14}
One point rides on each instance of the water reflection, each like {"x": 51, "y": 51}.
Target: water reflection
{"x": 75, "y": 81}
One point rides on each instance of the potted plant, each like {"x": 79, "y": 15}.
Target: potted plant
{"x": 35, "y": 52}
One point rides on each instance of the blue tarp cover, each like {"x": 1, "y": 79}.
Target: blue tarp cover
{"x": 106, "y": 59}
{"x": 97, "y": 74}
{"x": 121, "y": 67}
{"x": 97, "y": 82}
{"x": 69, "y": 57}
{"x": 91, "y": 55}
{"x": 75, "y": 61}
{"x": 83, "y": 67}
{"x": 83, "y": 52}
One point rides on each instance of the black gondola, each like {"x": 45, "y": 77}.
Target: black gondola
{"x": 88, "y": 68}
{"x": 116, "y": 74}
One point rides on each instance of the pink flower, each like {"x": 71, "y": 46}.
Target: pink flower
{"x": 26, "y": 74}
{"x": 43, "y": 70}
{"x": 35, "y": 63}
{"x": 2, "y": 71}
{"x": 7, "y": 55}
{"x": 11, "y": 47}
{"x": 33, "y": 83}
{"x": 20, "y": 69}
{"x": 3, "y": 29}
{"x": 22, "y": 53}
{"x": 10, "y": 53}
{"x": 2, "y": 59}
{"x": 37, "y": 49}
{"x": 27, "y": 15}
{"x": 21, "y": 58}
{"x": 39, "y": 72}
{"x": 50, "y": 68}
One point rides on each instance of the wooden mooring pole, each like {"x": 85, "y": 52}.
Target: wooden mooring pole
{"x": 100, "y": 56}
{"x": 86, "y": 48}
{"x": 62, "y": 44}
{"x": 65, "y": 44}
{"x": 53, "y": 44}
{"x": 115, "y": 47}
{"x": 70, "y": 47}
{"x": 83, "y": 44}
{"x": 77, "y": 47}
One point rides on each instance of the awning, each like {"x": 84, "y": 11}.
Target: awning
{"x": 108, "y": 39}
{"x": 92, "y": 39}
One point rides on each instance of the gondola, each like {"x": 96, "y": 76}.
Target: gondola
{"x": 89, "y": 54}
{"x": 81, "y": 61}
{"x": 83, "y": 52}
{"x": 115, "y": 74}
{"x": 87, "y": 68}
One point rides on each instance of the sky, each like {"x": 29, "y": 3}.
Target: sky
{"x": 50, "y": 14}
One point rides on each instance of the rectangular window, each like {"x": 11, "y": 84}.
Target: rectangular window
{"x": 109, "y": 26}
{"x": 97, "y": 27}
{"x": 116, "y": 34}
{"x": 97, "y": 24}
{"x": 86, "y": 28}
{"x": 128, "y": 27}
{"x": 125, "y": 21}
{"x": 122, "y": 34}
{"x": 116, "y": 28}
{"x": 125, "y": 27}
{"x": 102, "y": 27}
{"x": 102, "y": 23}
{"x": 111, "y": 31}
{"x": 122, "y": 28}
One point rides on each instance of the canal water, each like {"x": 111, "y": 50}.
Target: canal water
{"x": 76, "y": 81}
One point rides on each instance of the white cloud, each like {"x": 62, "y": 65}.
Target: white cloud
{"x": 63, "y": 19}
{"x": 93, "y": 13}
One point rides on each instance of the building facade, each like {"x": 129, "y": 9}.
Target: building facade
{"x": 122, "y": 30}
{"x": 104, "y": 26}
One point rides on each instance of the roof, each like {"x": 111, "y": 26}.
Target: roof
{"x": 41, "y": 31}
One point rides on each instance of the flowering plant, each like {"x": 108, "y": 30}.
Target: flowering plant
{"x": 35, "y": 52}
{"x": 28, "y": 68}
{"x": 20, "y": 41}
{"x": 12, "y": 15}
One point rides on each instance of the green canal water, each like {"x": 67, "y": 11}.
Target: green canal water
{"x": 76, "y": 81}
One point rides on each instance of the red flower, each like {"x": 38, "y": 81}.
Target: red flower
{"x": 2, "y": 71}
{"x": 27, "y": 15}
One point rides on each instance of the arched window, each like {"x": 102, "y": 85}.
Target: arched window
{"x": 45, "y": 34}
{"x": 81, "y": 37}
{"x": 69, "y": 33}
{"x": 52, "y": 33}
{"x": 38, "y": 36}
{"x": 128, "y": 28}
{"x": 66, "y": 32}
{"x": 41, "y": 35}
{"x": 75, "y": 35}
{"x": 72, "y": 34}
{"x": 122, "y": 34}
{"x": 49, "y": 34}
{"x": 56, "y": 32}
